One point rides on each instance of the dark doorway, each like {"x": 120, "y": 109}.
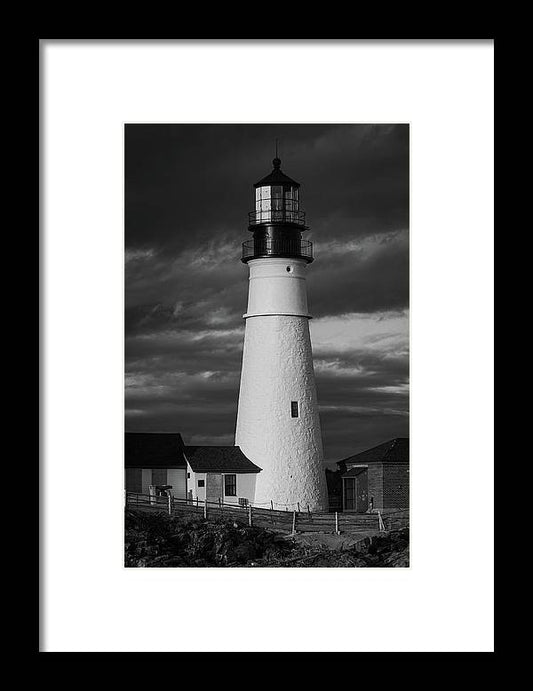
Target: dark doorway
{"x": 356, "y": 491}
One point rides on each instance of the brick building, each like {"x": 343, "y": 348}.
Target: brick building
{"x": 377, "y": 478}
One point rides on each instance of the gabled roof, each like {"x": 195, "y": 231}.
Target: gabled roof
{"x": 153, "y": 450}
{"x": 393, "y": 451}
{"x": 219, "y": 459}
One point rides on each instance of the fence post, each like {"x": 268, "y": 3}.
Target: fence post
{"x": 337, "y": 531}
{"x": 205, "y": 507}
{"x": 293, "y": 522}
{"x": 298, "y": 503}
{"x": 196, "y": 502}
{"x": 380, "y": 522}
{"x": 271, "y": 511}
{"x": 250, "y": 521}
{"x": 169, "y": 504}
{"x": 309, "y": 513}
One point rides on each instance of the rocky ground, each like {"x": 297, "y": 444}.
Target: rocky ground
{"x": 158, "y": 540}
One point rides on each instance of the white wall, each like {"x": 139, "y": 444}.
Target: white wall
{"x": 277, "y": 286}
{"x": 277, "y": 368}
{"x": 245, "y": 486}
{"x": 192, "y": 484}
{"x": 142, "y": 479}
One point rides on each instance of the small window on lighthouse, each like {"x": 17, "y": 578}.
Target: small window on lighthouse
{"x": 294, "y": 408}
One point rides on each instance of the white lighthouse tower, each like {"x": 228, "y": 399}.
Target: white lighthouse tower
{"x": 278, "y": 426}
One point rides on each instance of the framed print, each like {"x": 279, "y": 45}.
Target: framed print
{"x": 167, "y": 215}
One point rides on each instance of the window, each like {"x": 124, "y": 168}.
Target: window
{"x": 230, "y": 485}
{"x": 201, "y": 483}
{"x": 188, "y": 476}
{"x": 294, "y": 408}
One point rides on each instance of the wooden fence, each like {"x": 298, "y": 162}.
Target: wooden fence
{"x": 289, "y": 521}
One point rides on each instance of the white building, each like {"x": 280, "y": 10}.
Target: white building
{"x": 155, "y": 460}
{"x": 159, "y": 462}
{"x": 220, "y": 472}
{"x": 278, "y": 426}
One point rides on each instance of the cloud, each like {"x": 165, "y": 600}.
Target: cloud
{"x": 369, "y": 275}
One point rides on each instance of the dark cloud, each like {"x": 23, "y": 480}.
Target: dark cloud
{"x": 186, "y": 184}
{"x": 188, "y": 191}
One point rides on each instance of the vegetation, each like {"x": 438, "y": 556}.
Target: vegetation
{"x": 159, "y": 540}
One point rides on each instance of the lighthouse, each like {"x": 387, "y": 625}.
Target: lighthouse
{"x": 278, "y": 426}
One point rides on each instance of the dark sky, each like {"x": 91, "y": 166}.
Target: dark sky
{"x": 188, "y": 190}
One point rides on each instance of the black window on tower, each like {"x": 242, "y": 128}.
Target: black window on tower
{"x": 294, "y": 408}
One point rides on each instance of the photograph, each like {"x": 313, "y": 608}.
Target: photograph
{"x": 266, "y": 333}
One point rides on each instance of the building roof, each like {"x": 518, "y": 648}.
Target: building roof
{"x": 353, "y": 472}
{"x": 219, "y": 459}
{"x": 392, "y": 451}
{"x": 276, "y": 177}
{"x": 153, "y": 450}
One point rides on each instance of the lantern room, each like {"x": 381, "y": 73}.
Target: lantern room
{"x": 277, "y": 199}
{"x": 277, "y": 221}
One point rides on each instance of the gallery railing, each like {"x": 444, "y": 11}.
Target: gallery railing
{"x": 285, "y": 247}
{"x": 277, "y": 216}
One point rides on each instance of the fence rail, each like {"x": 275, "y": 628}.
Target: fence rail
{"x": 291, "y": 521}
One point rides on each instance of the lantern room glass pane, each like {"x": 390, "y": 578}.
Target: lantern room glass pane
{"x": 277, "y": 203}
{"x": 262, "y": 204}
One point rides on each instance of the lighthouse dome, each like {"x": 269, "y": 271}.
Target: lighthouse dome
{"x": 277, "y": 177}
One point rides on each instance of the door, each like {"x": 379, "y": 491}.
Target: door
{"x": 362, "y": 492}
{"x": 356, "y": 492}
{"x": 213, "y": 487}
{"x": 349, "y": 494}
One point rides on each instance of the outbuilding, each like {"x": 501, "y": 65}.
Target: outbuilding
{"x": 220, "y": 473}
{"x": 377, "y": 478}
{"x": 160, "y": 463}
{"x": 155, "y": 460}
